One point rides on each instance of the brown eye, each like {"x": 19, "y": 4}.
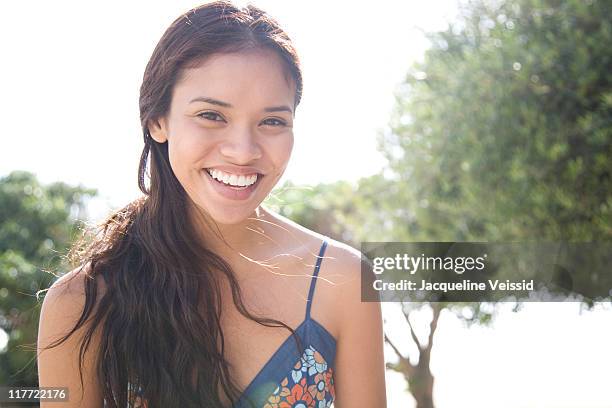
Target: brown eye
{"x": 210, "y": 116}
{"x": 275, "y": 122}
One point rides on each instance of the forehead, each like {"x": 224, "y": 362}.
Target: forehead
{"x": 257, "y": 76}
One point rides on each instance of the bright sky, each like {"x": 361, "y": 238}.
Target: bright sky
{"x": 70, "y": 77}
{"x": 548, "y": 355}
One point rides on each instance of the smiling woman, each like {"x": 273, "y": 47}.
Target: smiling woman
{"x": 214, "y": 143}
{"x": 184, "y": 297}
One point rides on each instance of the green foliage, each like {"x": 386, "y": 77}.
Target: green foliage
{"x": 344, "y": 211}
{"x": 37, "y": 225}
{"x": 503, "y": 132}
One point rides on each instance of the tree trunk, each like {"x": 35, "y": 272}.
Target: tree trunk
{"x": 421, "y": 385}
{"x": 418, "y": 376}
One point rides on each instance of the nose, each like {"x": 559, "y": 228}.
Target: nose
{"x": 241, "y": 147}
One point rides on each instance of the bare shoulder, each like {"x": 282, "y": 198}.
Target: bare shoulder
{"x": 338, "y": 289}
{"x": 359, "y": 375}
{"x": 341, "y": 254}
{"x": 345, "y": 262}
{"x": 341, "y": 263}
{"x": 58, "y": 363}
{"x": 347, "y": 268}
{"x": 64, "y": 301}
{"x": 70, "y": 288}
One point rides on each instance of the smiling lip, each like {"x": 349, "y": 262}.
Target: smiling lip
{"x": 237, "y": 170}
{"x": 233, "y": 193}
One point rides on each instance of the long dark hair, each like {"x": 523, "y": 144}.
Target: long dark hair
{"x": 159, "y": 316}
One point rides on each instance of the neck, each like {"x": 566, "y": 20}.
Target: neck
{"x": 249, "y": 237}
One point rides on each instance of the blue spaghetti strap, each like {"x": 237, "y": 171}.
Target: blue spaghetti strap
{"x": 313, "y": 282}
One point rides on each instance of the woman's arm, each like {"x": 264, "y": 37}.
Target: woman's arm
{"x": 360, "y": 367}
{"x": 58, "y": 366}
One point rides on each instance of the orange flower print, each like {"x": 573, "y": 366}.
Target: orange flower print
{"x": 329, "y": 382}
{"x": 317, "y": 390}
{"x": 309, "y": 384}
{"x": 299, "y": 397}
{"x": 272, "y": 402}
{"x": 279, "y": 393}
{"x": 296, "y": 373}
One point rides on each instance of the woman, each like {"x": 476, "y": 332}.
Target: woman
{"x": 196, "y": 295}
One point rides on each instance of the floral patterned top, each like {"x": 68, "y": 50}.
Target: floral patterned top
{"x": 290, "y": 379}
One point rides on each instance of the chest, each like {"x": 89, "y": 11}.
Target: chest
{"x": 251, "y": 347}
{"x": 248, "y": 344}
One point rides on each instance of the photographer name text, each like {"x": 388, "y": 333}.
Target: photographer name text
{"x": 464, "y": 285}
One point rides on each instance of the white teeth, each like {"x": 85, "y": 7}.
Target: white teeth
{"x": 232, "y": 179}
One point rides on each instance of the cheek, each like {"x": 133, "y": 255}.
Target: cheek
{"x": 185, "y": 154}
{"x": 280, "y": 153}
{"x": 185, "y": 150}
{"x": 289, "y": 147}
{"x": 178, "y": 154}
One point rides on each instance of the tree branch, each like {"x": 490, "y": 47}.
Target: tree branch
{"x": 404, "y": 365}
{"x": 433, "y": 324}
{"x": 412, "y": 333}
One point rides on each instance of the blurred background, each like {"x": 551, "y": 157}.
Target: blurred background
{"x": 421, "y": 121}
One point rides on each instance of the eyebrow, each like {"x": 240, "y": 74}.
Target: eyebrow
{"x": 283, "y": 108}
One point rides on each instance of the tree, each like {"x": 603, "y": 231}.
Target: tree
{"x": 344, "y": 211}
{"x": 37, "y": 225}
{"x": 502, "y": 133}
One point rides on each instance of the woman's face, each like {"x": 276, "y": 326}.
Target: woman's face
{"x": 230, "y": 132}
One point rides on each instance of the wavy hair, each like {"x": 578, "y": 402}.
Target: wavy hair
{"x": 159, "y": 317}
